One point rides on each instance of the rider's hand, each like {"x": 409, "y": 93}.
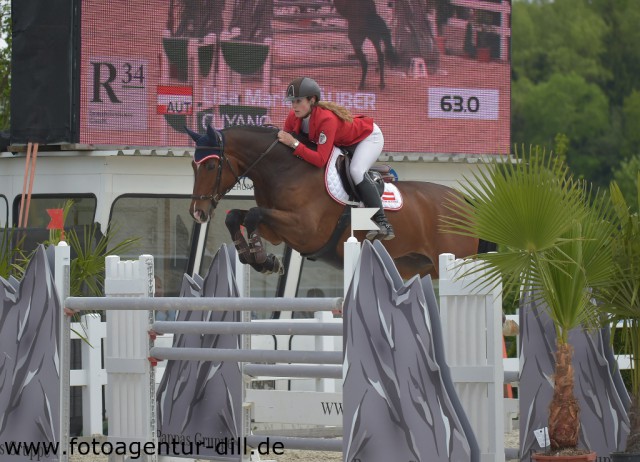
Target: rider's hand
{"x": 286, "y": 138}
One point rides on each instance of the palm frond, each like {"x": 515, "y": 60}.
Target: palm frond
{"x": 552, "y": 232}
{"x": 88, "y": 265}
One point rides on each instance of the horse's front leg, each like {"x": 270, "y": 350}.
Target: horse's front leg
{"x": 262, "y": 262}
{"x": 234, "y": 220}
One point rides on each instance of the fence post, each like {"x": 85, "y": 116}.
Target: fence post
{"x": 61, "y": 272}
{"x": 96, "y": 378}
{"x": 471, "y": 314}
{"x": 131, "y": 379}
{"x": 351, "y": 255}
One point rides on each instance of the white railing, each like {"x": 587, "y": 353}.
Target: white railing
{"x": 92, "y": 377}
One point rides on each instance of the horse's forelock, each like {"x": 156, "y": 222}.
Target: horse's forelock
{"x": 209, "y": 140}
{"x": 204, "y": 141}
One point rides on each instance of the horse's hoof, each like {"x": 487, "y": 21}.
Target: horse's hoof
{"x": 244, "y": 256}
{"x": 270, "y": 266}
{"x": 273, "y": 263}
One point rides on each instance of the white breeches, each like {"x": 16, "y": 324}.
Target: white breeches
{"x": 366, "y": 154}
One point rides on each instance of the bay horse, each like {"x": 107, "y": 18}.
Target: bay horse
{"x": 293, "y": 206}
{"x": 364, "y": 22}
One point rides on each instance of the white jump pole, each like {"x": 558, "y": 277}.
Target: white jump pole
{"x": 62, "y": 278}
{"x": 360, "y": 221}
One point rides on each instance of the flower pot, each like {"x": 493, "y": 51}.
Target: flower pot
{"x": 624, "y": 457}
{"x": 244, "y": 57}
{"x": 588, "y": 457}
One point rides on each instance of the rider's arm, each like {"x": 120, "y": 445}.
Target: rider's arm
{"x": 320, "y": 157}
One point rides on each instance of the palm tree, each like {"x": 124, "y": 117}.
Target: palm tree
{"x": 553, "y": 237}
{"x": 621, "y": 300}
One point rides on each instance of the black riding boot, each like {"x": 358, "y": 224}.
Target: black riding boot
{"x": 370, "y": 198}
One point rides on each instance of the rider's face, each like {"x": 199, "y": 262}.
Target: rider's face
{"x": 301, "y": 107}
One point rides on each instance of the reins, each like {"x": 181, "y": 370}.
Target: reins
{"x": 215, "y": 196}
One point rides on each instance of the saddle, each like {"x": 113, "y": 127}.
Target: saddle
{"x": 379, "y": 174}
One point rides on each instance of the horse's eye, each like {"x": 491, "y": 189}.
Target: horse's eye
{"x": 210, "y": 165}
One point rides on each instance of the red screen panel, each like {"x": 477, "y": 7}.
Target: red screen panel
{"x": 150, "y": 68}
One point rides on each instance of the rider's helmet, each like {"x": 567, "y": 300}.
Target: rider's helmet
{"x": 303, "y": 87}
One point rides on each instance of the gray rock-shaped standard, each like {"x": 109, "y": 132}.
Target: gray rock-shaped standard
{"x": 604, "y": 421}
{"x": 396, "y": 404}
{"x": 29, "y": 366}
{"x": 202, "y": 400}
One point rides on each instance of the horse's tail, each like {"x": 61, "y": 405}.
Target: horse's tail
{"x": 486, "y": 246}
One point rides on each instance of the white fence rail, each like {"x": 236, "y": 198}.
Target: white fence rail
{"x": 90, "y": 331}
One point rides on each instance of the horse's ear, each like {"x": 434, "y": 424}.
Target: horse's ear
{"x": 192, "y": 134}
{"x": 211, "y": 133}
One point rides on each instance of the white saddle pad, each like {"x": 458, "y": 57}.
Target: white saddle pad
{"x": 391, "y": 197}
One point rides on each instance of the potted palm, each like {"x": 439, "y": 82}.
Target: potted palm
{"x": 10, "y": 251}
{"x": 550, "y": 232}
{"x": 621, "y": 303}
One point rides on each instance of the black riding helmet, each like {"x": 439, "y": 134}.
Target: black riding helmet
{"x": 303, "y": 87}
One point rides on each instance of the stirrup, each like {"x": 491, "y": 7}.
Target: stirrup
{"x": 384, "y": 232}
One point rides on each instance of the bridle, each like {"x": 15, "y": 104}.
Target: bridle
{"x": 216, "y": 195}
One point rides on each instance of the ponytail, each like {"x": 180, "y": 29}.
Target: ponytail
{"x": 341, "y": 111}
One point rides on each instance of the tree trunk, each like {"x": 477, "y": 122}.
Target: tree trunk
{"x": 633, "y": 440}
{"x": 564, "y": 411}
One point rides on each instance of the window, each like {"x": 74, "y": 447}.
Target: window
{"x": 163, "y": 228}
{"x": 319, "y": 279}
{"x": 82, "y": 211}
{"x": 4, "y": 211}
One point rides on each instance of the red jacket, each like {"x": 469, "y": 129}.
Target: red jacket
{"x": 327, "y": 130}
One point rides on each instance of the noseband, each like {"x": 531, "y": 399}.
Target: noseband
{"x": 216, "y": 195}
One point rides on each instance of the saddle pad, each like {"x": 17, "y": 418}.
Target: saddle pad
{"x": 391, "y": 197}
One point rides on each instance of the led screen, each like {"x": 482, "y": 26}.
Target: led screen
{"x": 149, "y": 68}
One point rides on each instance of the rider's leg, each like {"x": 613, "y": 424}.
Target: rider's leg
{"x": 371, "y": 198}
{"x": 366, "y": 153}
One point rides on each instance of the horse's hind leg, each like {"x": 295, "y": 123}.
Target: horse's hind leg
{"x": 364, "y": 65}
{"x": 356, "y": 42}
{"x": 234, "y": 219}
{"x": 380, "y": 54}
{"x": 261, "y": 261}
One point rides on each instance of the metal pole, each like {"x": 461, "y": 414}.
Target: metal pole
{"x": 203, "y": 304}
{"x": 259, "y": 356}
{"x": 294, "y": 370}
{"x": 266, "y": 328}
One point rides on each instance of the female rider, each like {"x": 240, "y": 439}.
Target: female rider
{"x": 328, "y": 124}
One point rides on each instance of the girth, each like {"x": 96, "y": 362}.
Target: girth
{"x": 327, "y": 252}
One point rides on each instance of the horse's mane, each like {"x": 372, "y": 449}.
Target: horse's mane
{"x": 253, "y": 128}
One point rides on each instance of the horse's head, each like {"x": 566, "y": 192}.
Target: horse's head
{"x": 213, "y": 174}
